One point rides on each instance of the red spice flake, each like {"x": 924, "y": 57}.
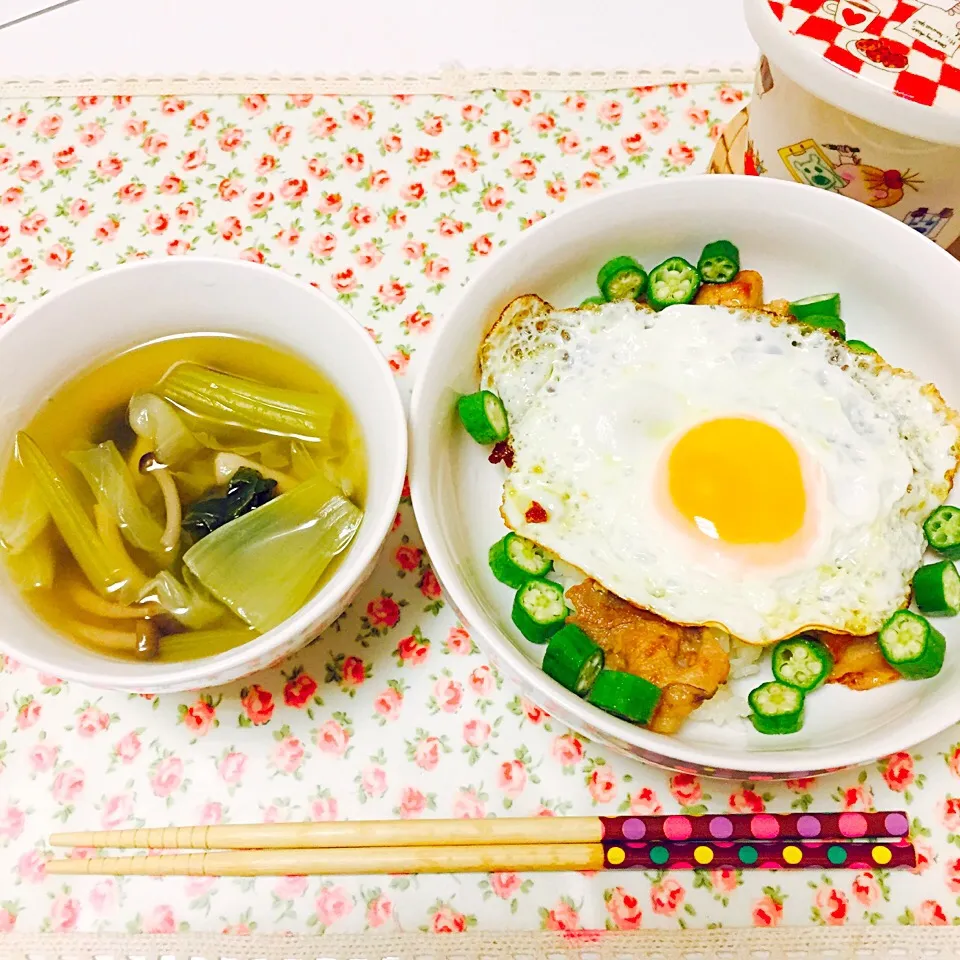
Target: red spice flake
{"x": 502, "y": 452}
{"x": 536, "y": 513}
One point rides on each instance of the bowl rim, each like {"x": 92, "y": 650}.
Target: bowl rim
{"x": 195, "y": 674}
{"x": 657, "y": 748}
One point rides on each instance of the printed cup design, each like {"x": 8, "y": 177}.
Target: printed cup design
{"x": 852, "y": 14}
{"x": 793, "y": 135}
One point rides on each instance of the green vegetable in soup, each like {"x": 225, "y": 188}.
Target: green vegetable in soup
{"x": 225, "y": 465}
{"x": 186, "y": 601}
{"x": 159, "y": 423}
{"x": 22, "y": 519}
{"x": 201, "y": 643}
{"x": 33, "y": 567}
{"x": 246, "y": 491}
{"x": 265, "y": 564}
{"x": 105, "y": 568}
{"x": 113, "y": 546}
{"x": 196, "y": 478}
{"x": 274, "y": 454}
{"x": 305, "y": 464}
{"x": 113, "y": 485}
{"x": 302, "y": 464}
{"x": 248, "y": 405}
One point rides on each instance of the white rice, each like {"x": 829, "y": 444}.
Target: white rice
{"x": 726, "y": 706}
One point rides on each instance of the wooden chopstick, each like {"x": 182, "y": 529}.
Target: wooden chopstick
{"x": 506, "y": 831}
{"x": 353, "y": 833}
{"x": 353, "y": 860}
{"x": 543, "y": 857}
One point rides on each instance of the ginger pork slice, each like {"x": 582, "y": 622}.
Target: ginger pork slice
{"x": 687, "y": 663}
{"x": 858, "y": 662}
{"x": 744, "y": 290}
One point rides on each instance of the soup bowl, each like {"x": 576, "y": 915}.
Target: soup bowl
{"x": 109, "y": 312}
{"x": 899, "y": 294}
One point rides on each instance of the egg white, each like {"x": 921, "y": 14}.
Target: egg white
{"x": 595, "y": 397}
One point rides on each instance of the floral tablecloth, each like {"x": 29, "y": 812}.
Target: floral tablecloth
{"x": 388, "y": 204}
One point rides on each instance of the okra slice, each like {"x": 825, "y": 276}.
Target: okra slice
{"x": 776, "y": 708}
{"x": 912, "y": 646}
{"x": 819, "y": 305}
{"x": 514, "y": 560}
{"x": 802, "y": 662}
{"x": 622, "y": 278}
{"x": 936, "y": 589}
{"x": 483, "y": 416}
{"x": 539, "y": 609}
{"x": 719, "y": 262}
{"x": 942, "y": 530}
{"x": 671, "y": 282}
{"x": 573, "y": 659}
{"x": 625, "y": 695}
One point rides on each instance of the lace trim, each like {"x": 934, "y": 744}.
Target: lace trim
{"x": 871, "y": 943}
{"x": 450, "y": 80}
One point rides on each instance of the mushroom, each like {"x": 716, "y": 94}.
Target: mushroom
{"x": 143, "y": 642}
{"x": 148, "y": 639}
{"x": 171, "y": 499}
{"x": 90, "y": 602}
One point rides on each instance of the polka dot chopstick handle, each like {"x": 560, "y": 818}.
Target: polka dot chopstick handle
{"x": 761, "y": 826}
{"x": 766, "y": 855}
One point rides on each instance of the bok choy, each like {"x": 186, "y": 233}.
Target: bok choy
{"x": 113, "y": 485}
{"x": 186, "y": 601}
{"x": 153, "y": 419}
{"x": 107, "y": 571}
{"x": 265, "y": 564}
{"x": 248, "y": 405}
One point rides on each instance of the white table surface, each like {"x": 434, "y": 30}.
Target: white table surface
{"x": 169, "y": 37}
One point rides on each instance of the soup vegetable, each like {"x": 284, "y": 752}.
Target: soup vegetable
{"x": 182, "y": 498}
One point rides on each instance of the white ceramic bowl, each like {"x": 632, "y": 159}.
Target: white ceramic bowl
{"x": 108, "y": 312}
{"x": 900, "y": 293}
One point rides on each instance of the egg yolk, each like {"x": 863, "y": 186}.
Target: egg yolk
{"x": 738, "y": 480}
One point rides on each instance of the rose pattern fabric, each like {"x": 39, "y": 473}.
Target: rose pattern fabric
{"x": 388, "y": 204}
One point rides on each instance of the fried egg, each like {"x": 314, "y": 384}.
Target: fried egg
{"x": 719, "y": 466}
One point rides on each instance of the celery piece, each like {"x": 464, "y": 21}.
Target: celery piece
{"x": 247, "y": 404}
{"x": 187, "y": 601}
{"x": 113, "y": 486}
{"x": 99, "y": 565}
{"x": 33, "y": 567}
{"x": 23, "y": 517}
{"x": 265, "y": 564}
{"x": 112, "y": 541}
{"x": 153, "y": 419}
{"x": 201, "y": 643}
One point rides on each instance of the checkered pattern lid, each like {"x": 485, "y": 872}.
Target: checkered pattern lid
{"x": 899, "y": 62}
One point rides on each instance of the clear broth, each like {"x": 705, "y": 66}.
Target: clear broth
{"x": 92, "y": 408}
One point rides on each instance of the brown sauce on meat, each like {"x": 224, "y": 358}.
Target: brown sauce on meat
{"x": 858, "y": 662}
{"x": 687, "y": 663}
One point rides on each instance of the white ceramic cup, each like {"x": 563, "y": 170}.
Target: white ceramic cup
{"x": 794, "y": 135}
{"x": 108, "y": 312}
